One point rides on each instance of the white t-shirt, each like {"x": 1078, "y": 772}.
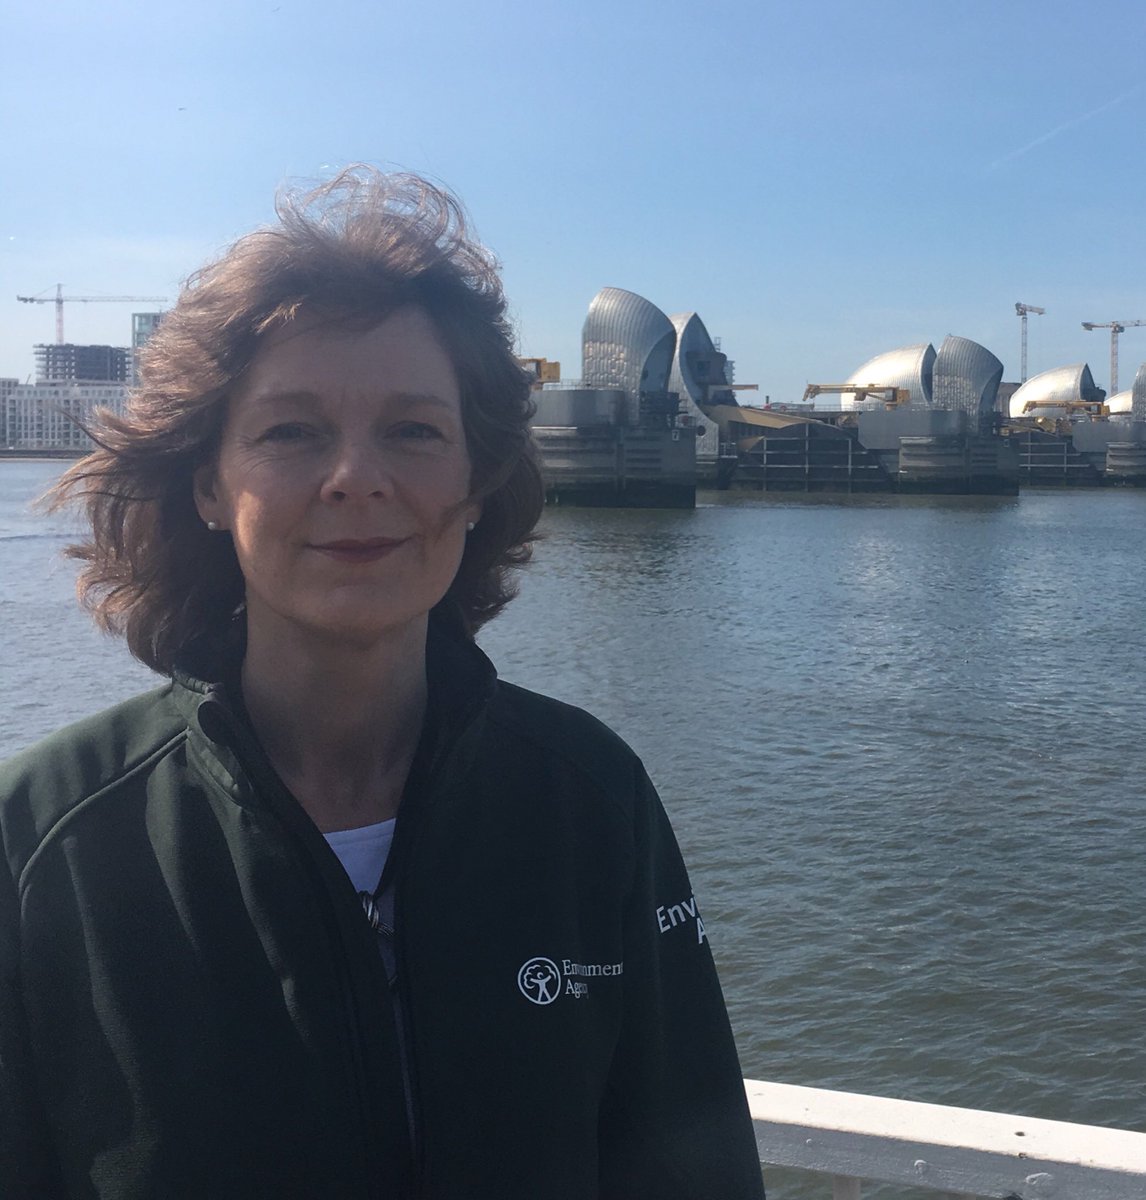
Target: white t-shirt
{"x": 363, "y": 852}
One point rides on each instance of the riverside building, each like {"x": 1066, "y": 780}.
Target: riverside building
{"x": 143, "y": 325}
{"x": 48, "y": 415}
{"x": 7, "y": 387}
{"x": 104, "y": 364}
{"x": 72, "y": 381}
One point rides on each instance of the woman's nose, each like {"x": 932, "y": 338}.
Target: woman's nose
{"x": 357, "y": 471}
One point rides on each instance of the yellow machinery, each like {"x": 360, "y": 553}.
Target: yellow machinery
{"x": 892, "y": 397}
{"x": 1051, "y": 422}
{"x": 1094, "y": 408}
{"x": 542, "y": 370}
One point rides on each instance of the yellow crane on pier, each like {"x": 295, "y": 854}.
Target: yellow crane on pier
{"x": 892, "y": 397}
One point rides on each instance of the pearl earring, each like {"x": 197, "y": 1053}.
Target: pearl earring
{"x": 469, "y": 527}
{"x": 213, "y": 526}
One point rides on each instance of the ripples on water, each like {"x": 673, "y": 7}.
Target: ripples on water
{"x": 54, "y": 667}
{"x": 900, "y": 743}
{"x": 900, "y": 740}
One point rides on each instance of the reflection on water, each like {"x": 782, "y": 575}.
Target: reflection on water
{"x": 899, "y": 739}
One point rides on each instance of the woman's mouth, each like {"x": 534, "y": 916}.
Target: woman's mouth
{"x": 358, "y": 550}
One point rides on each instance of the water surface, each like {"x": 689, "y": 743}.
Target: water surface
{"x": 900, "y": 740}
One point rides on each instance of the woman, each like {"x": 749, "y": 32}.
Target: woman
{"x": 336, "y": 913}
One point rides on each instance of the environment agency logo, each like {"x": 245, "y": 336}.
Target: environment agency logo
{"x": 540, "y": 980}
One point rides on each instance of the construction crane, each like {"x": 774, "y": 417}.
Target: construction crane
{"x": 1022, "y": 310}
{"x": 1115, "y": 327}
{"x": 60, "y": 298}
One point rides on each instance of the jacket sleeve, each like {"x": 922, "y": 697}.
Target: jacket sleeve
{"x": 674, "y": 1123}
{"x": 27, "y": 1163}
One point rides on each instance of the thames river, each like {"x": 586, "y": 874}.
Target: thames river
{"x": 901, "y": 741}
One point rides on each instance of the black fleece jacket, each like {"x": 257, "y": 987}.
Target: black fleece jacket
{"x": 192, "y": 1003}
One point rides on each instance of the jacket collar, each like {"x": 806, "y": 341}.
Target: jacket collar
{"x": 461, "y": 680}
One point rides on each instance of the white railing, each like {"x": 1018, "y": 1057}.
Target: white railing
{"x": 960, "y": 1151}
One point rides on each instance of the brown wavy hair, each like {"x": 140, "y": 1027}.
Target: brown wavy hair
{"x": 355, "y": 249}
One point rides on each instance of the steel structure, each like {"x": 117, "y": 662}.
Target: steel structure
{"x": 1050, "y": 392}
{"x": 909, "y": 367}
{"x": 59, "y": 299}
{"x": 698, "y": 366}
{"x": 699, "y": 376}
{"x": 1138, "y": 395}
{"x": 1022, "y": 310}
{"x": 1121, "y": 404}
{"x": 966, "y": 378}
{"x": 628, "y": 343}
{"x": 1115, "y": 327}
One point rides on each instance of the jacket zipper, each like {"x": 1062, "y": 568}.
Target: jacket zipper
{"x": 250, "y": 755}
{"x": 396, "y": 871}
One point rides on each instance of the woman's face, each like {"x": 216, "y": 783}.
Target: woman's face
{"x": 343, "y": 478}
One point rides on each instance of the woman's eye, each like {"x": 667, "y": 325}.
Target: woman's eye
{"x": 288, "y": 431}
{"x": 418, "y": 430}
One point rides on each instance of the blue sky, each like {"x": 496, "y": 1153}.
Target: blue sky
{"x": 821, "y": 183}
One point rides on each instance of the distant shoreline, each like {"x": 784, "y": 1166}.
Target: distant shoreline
{"x": 40, "y": 455}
